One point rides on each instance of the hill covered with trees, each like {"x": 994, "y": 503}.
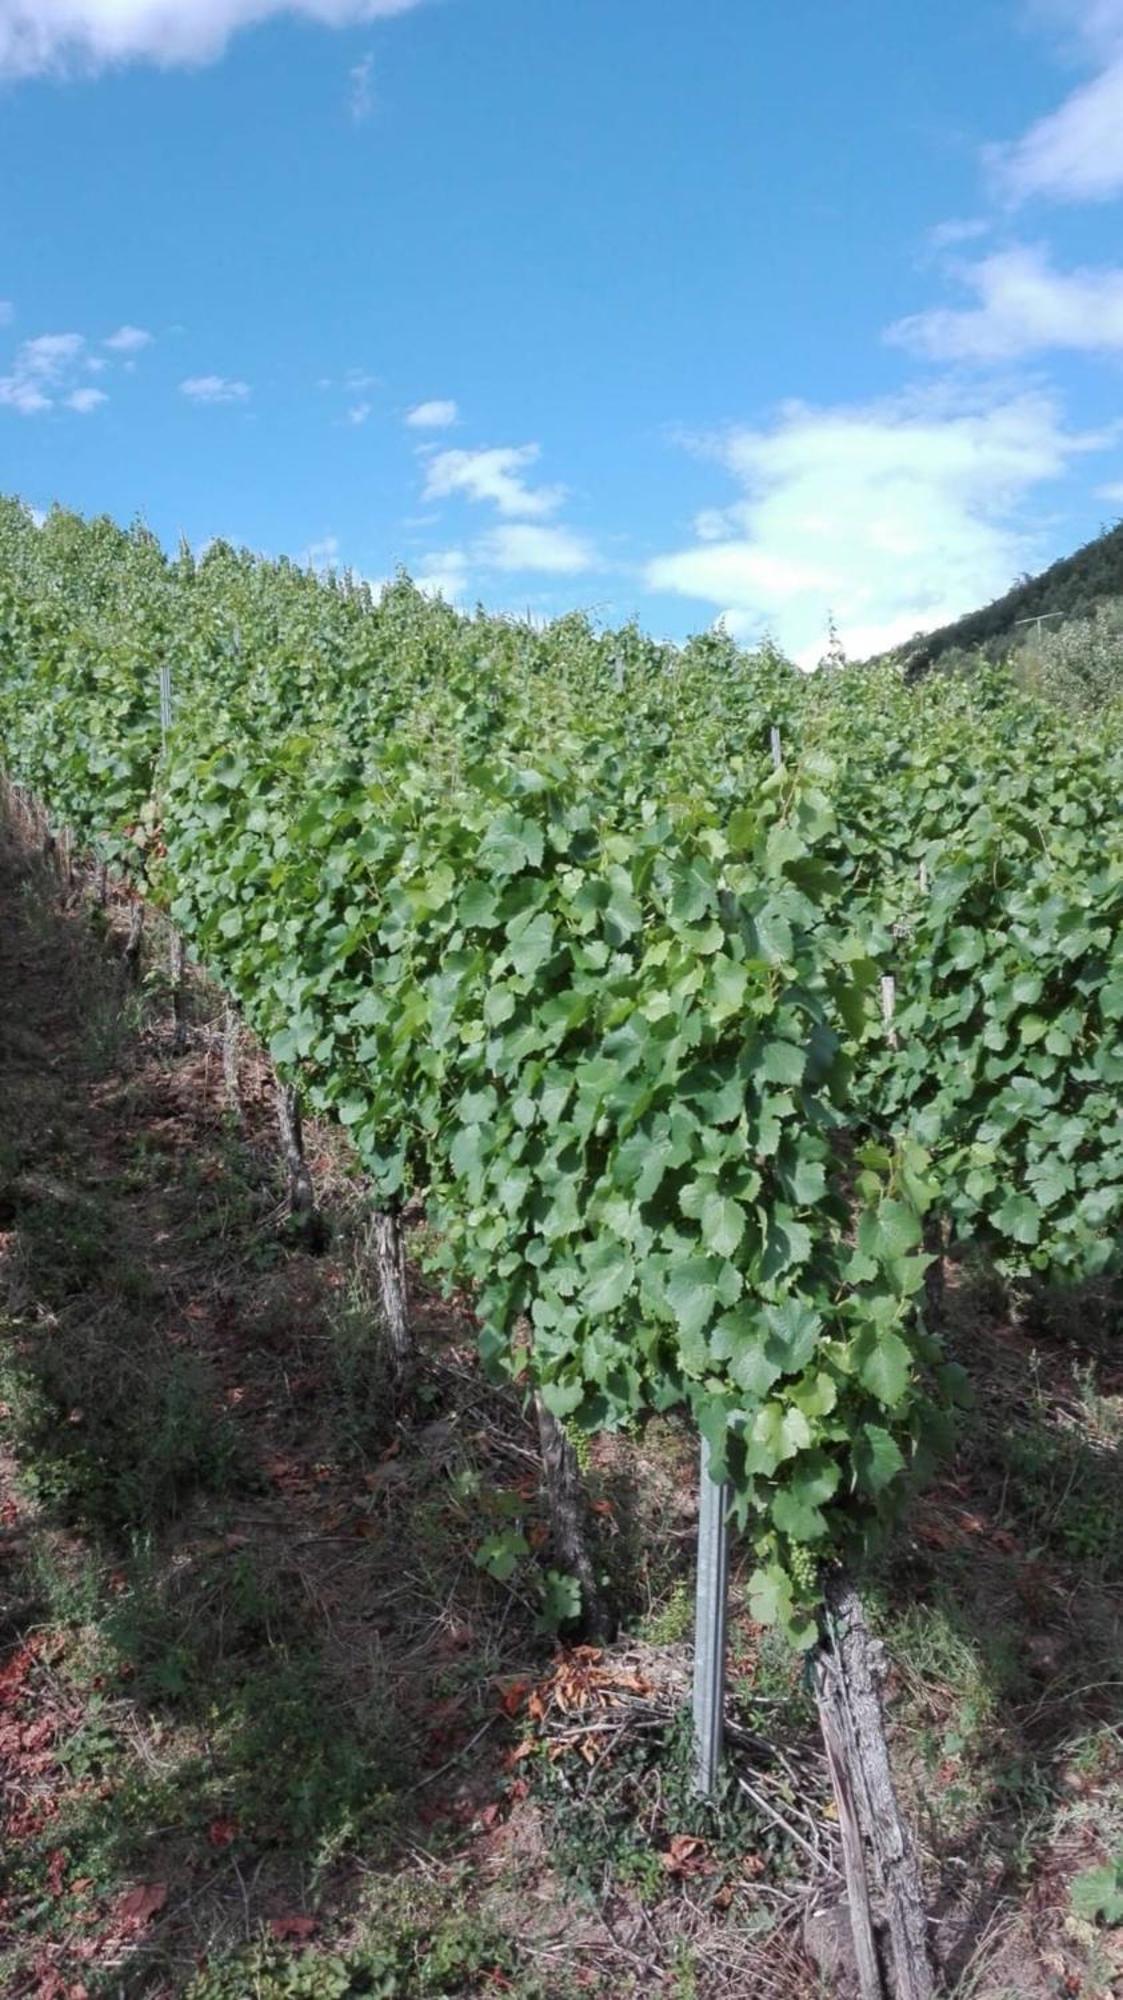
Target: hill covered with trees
{"x": 1079, "y": 587}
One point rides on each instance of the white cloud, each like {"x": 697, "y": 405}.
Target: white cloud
{"x": 86, "y": 400}
{"x": 7, "y": 312}
{"x": 1073, "y": 154}
{"x": 42, "y": 372}
{"x": 322, "y": 555}
{"x": 360, "y": 100}
{"x": 513, "y": 546}
{"x": 494, "y": 475}
{"x": 359, "y": 412}
{"x": 434, "y": 416}
{"x": 958, "y": 229}
{"x": 519, "y": 545}
{"x": 444, "y": 574}
{"x": 1113, "y": 492}
{"x": 898, "y": 515}
{"x": 127, "y": 339}
{"x": 38, "y": 37}
{"x": 1024, "y": 306}
{"x": 214, "y": 389}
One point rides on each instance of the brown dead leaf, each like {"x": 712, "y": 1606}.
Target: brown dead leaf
{"x": 14, "y": 1672}
{"x": 511, "y": 1697}
{"x": 138, "y": 1906}
{"x": 687, "y": 1855}
{"x": 294, "y": 1930}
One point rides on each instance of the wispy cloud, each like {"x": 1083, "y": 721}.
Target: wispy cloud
{"x": 956, "y": 230}
{"x": 84, "y": 401}
{"x": 322, "y": 555}
{"x": 444, "y": 574}
{"x": 529, "y": 545}
{"x": 1025, "y": 306}
{"x": 7, "y": 312}
{"x": 128, "y": 340}
{"x": 359, "y": 412}
{"x": 360, "y": 96}
{"x": 434, "y": 416}
{"x": 41, "y": 37}
{"x": 42, "y": 375}
{"x": 494, "y": 475}
{"x": 898, "y": 515}
{"x": 214, "y": 389}
{"x": 1074, "y": 154}
{"x": 515, "y": 547}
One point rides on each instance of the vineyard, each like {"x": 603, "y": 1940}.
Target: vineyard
{"x": 709, "y": 1021}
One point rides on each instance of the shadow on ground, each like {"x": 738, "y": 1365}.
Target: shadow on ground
{"x": 247, "y": 1635}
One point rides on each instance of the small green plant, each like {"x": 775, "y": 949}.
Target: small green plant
{"x": 1097, "y": 1894}
{"x": 560, "y": 1601}
{"x": 268, "y": 1972}
{"x": 673, "y": 1619}
{"x": 501, "y": 1553}
{"x": 618, "y": 1827}
{"x": 461, "y": 1955}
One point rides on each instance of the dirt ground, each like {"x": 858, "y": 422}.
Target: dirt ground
{"x": 283, "y": 1706}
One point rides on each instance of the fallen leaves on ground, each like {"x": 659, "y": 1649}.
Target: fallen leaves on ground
{"x": 138, "y": 1906}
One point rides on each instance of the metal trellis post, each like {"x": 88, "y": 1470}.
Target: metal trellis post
{"x": 709, "y": 1626}
{"x": 165, "y": 704}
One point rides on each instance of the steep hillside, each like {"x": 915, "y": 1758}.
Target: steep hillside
{"x": 1072, "y": 588}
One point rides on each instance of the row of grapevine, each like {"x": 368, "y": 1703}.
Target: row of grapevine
{"x": 531, "y": 913}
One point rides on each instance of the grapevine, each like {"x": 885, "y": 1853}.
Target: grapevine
{"x": 533, "y": 916}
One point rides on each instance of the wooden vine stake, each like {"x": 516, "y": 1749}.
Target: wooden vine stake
{"x": 302, "y": 1200}
{"x": 388, "y": 1243}
{"x": 230, "y": 1038}
{"x": 177, "y": 971}
{"x": 847, "y": 1672}
{"x": 563, "y": 1492}
{"x": 133, "y": 942}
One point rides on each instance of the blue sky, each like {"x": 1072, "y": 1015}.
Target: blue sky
{"x": 674, "y": 308}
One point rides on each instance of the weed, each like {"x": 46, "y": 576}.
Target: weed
{"x": 1097, "y": 1894}
{"x": 1068, "y": 1494}
{"x": 673, "y": 1621}
{"x": 116, "y": 1431}
{"x": 360, "y": 1386}
{"x": 614, "y": 1828}
{"x": 432, "y": 1959}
